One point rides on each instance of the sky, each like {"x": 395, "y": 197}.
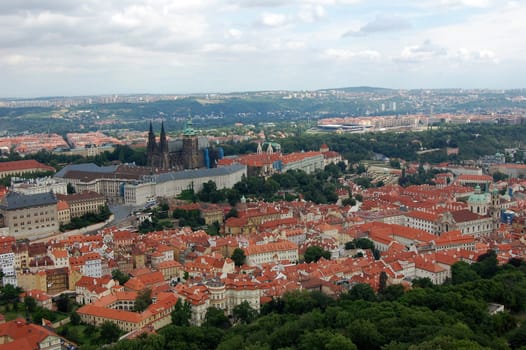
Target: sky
{"x": 94, "y": 47}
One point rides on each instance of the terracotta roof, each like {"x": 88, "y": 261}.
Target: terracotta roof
{"x": 25, "y": 336}
{"x": 24, "y": 165}
{"x": 466, "y": 215}
{"x": 62, "y": 205}
{"x": 79, "y": 197}
{"x": 270, "y": 247}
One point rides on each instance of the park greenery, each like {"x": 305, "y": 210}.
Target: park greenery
{"x": 363, "y": 243}
{"x": 315, "y": 253}
{"x": 158, "y": 221}
{"x": 238, "y": 256}
{"x": 190, "y": 218}
{"x": 318, "y": 187}
{"x": 472, "y": 140}
{"x": 87, "y": 219}
{"x": 450, "y": 316}
{"x": 143, "y": 300}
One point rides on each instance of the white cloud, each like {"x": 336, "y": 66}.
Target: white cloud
{"x": 234, "y": 33}
{"x": 15, "y": 59}
{"x": 187, "y": 40}
{"x": 468, "y": 56}
{"x": 346, "y": 54}
{"x": 380, "y": 24}
{"x": 426, "y": 51}
{"x": 271, "y": 19}
{"x": 311, "y": 13}
{"x": 465, "y": 3}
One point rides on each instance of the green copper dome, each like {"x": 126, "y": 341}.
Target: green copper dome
{"x": 188, "y": 130}
{"x": 479, "y": 197}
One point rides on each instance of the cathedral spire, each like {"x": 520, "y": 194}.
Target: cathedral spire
{"x": 163, "y": 143}
{"x": 151, "y": 140}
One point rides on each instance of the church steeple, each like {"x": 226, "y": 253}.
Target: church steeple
{"x": 163, "y": 142}
{"x": 151, "y": 146}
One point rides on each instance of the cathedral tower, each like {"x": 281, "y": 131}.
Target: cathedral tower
{"x": 151, "y": 148}
{"x": 163, "y": 149}
{"x": 190, "y": 148}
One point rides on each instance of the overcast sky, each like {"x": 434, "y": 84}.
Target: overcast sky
{"x": 76, "y": 47}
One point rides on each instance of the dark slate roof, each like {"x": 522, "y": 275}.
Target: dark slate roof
{"x": 15, "y": 200}
{"x": 196, "y": 173}
{"x": 86, "y": 167}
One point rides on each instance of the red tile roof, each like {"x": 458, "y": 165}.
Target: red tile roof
{"x": 29, "y": 164}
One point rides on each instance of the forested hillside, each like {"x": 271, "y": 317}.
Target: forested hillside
{"x": 450, "y": 316}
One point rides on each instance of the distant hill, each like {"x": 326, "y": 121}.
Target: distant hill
{"x": 363, "y": 89}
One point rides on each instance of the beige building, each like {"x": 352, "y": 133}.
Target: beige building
{"x": 63, "y": 213}
{"x": 173, "y": 183}
{"x": 271, "y": 252}
{"x": 31, "y": 281}
{"x": 21, "y": 167}
{"x": 29, "y": 216}
{"x": 136, "y": 185}
{"x": 83, "y": 203}
{"x": 114, "y": 308}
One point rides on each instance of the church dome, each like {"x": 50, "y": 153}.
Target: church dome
{"x": 478, "y": 197}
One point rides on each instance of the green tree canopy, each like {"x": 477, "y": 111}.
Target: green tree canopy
{"x": 239, "y": 257}
{"x": 182, "y": 313}
{"x": 143, "y": 300}
{"x": 315, "y": 253}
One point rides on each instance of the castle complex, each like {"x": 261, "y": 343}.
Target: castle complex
{"x": 189, "y": 153}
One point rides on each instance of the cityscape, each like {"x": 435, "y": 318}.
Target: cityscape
{"x": 263, "y": 175}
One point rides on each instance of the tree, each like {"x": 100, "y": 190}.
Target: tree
{"x": 315, "y": 253}
{"x": 498, "y": 176}
{"x": 364, "y": 243}
{"x": 239, "y": 257}
{"x": 365, "y": 334}
{"x": 109, "y": 333}
{"x": 461, "y": 272}
{"x": 30, "y": 304}
{"x": 63, "y": 303}
{"x": 517, "y": 337}
{"x": 323, "y": 339}
{"x": 120, "y": 276}
{"x": 41, "y": 313}
{"x": 383, "y": 281}
{"x": 392, "y": 293}
{"x": 422, "y": 282}
{"x": 70, "y": 188}
{"x": 486, "y": 265}
{"x": 10, "y": 294}
{"x": 75, "y": 318}
{"x": 182, "y": 313}
{"x": 216, "y": 318}
{"x": 349, "y": 201}
{"x": 213, "y": 229}
{"x": 232, "y": 213}
{"x": 244, "y": 313}
{"x": 143, "y": 300}
{"x": 362, "y": 291}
